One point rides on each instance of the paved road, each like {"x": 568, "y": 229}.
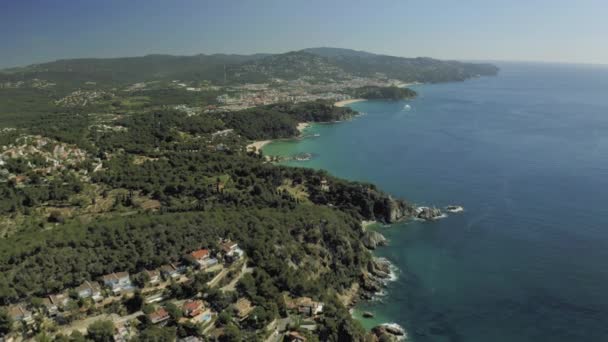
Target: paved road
{"x": 232, "y": 285}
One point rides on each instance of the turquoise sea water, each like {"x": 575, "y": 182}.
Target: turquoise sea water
{"x": 526, "y": 154}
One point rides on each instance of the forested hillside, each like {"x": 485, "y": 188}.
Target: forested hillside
{"x": 316, "y": 63}
{"x": 127, "y": 164}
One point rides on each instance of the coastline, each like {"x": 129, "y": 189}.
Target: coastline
{"x": 302, "y": 126}
{"x": 257, "y": 146}
{"x": 377, "y": 280}
{"x": 344, "y": 103}
{"x": 367, "y": 224}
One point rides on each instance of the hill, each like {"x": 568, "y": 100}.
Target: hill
{"x": 313, "y": 63}
{"x": 421, "y": 69}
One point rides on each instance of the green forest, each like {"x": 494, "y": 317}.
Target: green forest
{"x": 384, "y": 93}
{"x": 128, "y": 164}
{"x": 90, "y": 216}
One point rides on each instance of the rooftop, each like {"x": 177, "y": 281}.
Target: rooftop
{"x": 199, "y": 254}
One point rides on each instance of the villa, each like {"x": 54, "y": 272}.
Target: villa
{"x": 231, "y": 250}
{"x": 19, "y": 314}
{"x": 159, "y": 316}
{"x": 153, "y": 276}
{"x": 201, "y": 258}
{"x": 117, "y": 282}
{"x": 172, "y": 270}
{"x": 53, "y": 303}
{"x": 308, "y": 307}
{"x": 192, "y": 308}
{"x": 243, "y": 308}
{"x": 89, "y": 289}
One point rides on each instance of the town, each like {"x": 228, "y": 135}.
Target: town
{"x": 120, "y": 304}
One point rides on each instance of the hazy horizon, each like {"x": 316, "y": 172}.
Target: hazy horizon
{"x": 35, "y": 31}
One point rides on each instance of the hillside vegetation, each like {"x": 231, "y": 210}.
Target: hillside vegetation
{"x": 315, "y": 63}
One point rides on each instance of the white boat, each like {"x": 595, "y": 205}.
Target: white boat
{"x": 407, "y": 107}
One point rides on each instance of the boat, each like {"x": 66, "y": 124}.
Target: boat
{"x": 407, "y": 107}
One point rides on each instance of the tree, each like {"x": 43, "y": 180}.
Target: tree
{"x": 43, "y": 337}
{"x": 141, "y": 279}
{"x": 147, "y": 308}
{"x": 231, "y": 334}
{"x": 190, "y": 329}
{"x": 174, "y": 311}
{"x": 157, "y": 334}
{"x": 56, "y": 217}
{"x": 6, "y": 322}
{"x": 77, "y": 336}
{"x": 135, "y": 303}
{"x": 101, "y": 331}
{"x": 224, "y": 317}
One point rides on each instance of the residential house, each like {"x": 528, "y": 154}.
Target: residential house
{"x": 201, "y": 258}
{"x": 308, "y": 307}
{"x": 243, "y": 308}
{"x": 231, "y": 250}
{"x": 153, "y": 276}
{"x": 192, "y": 308}
{"x": 324, "y": 185}
{"x": 117, "y": 282}
{"x": 294, "y": 336}
{"x": 172, "y": 270}
{"x": 55, "y": 302}
{"x": 60, "y": 299}
{"x": 19, "y": 313}
{"x": 50, "y": 308}
{"x": 153, "y": 298}
{"x": 89, "y": 289}
{"x": 121, "y": 332}
{"x": 159, "y": 316}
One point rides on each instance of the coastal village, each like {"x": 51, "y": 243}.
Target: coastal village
{"x": 294, "y": 91}
{"x": 106, "y": 300}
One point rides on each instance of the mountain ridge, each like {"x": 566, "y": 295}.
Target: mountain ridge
{"x": 321, "y": 63}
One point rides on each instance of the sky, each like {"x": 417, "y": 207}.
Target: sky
{"x": 575, "y": 31}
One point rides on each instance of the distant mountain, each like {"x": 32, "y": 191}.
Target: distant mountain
{"x": 315, "y": 63}
{"x": 290, "y": 66}
{"x": 132, "y": 69}
{"x": 421, "y": 69}
{"x": 330, "y": 52}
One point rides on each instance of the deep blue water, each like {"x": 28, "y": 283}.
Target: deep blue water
{"x": 526, "y": 154}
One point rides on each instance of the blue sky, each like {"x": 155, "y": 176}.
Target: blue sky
{"x": 33, "y": 31}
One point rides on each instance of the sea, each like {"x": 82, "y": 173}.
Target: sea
{"x": 526, "y": 154}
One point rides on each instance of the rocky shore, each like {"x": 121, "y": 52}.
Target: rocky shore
{"x": 429, "y": 214}
{"x": 389, "y": 332}
{"x": 372, "y": 239}
{"x": 375, "y": 278}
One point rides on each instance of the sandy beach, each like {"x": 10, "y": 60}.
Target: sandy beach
{"x": 366, "y": 224}
{"x": 347, "y": 102}
{"x": 257, "y": 145}
{"x": 302, "y": 126}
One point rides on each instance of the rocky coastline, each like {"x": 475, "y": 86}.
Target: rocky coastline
{"x": 389, "y": 332}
